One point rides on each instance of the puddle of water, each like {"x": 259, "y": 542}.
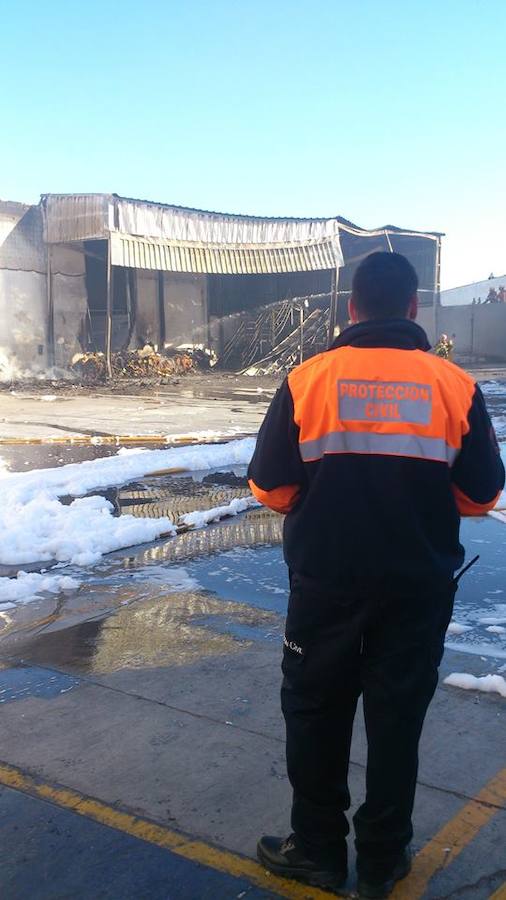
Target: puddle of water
{"x": 256, "y": 576}
{"x": 153, "y": 569}
{"x": 24, "y": 457}
{"x": 166, "y": 630}
{"x": 173, "y": 497}
{"x": 257, "y": 527}
{"x": 224, "y": 392}
{"x": 21, "y": 682}
{"x": 272, "y": 631}
{"x": 219, "y": 602}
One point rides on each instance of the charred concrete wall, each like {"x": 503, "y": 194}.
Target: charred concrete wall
{"x": 70, "y": 302}
{"x": 23, "y": 295}
{"x": 173, "y": 303}
{"x": 185, "y": 305}
{"x": 23, "y": 346}
{"x": 147, "y": 325}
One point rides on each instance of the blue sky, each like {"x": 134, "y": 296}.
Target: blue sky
{"x": 383, "y": 112}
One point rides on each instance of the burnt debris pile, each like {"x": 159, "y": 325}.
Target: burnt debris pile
{"x": 145, "y": 363}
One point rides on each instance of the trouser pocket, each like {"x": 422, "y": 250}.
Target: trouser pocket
{"x": 322, "y": 634}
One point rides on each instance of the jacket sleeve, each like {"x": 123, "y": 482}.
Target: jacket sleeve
{"x": 478, "y": 472}
{"x": 276, "y": 472}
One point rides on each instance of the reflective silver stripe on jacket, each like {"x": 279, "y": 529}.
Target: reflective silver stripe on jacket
{"x": 411, "y": 445}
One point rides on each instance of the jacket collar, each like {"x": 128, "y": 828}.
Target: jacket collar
{"x": 399, "y": 334}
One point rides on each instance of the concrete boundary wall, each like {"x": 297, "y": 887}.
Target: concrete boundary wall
{"x": 476, "y": 330}
{"x": 489, "y": 330}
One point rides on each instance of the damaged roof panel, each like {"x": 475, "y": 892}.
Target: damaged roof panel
{"x": 72, "y": 217}
{"x": 76, "y": 217}
{"x": 174, "y": 223}
{"x": 197, "y": 258}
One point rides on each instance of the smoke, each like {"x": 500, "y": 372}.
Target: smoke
{"x": 11, "y": 371}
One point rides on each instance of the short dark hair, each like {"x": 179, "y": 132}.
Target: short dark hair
{"x": 383, "y": 286}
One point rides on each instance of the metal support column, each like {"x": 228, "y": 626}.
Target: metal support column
{"x": 109, "y": 312}
{"x": 301, "y": 337}
{"x": 51, "y": 356}
{"x": 161, "y": 312}
{"x": 333, "y": 307}
{"x": 437, "y": 293}
{"x": 205, "y": 312}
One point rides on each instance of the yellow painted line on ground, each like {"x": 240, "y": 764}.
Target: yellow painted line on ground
{"x": 499, "y": 894}
{"x": 453, "y": 837}
{"x": 100, "y": 440}
{"x": 152, "y": 833}
{"x": 440, "y": 852}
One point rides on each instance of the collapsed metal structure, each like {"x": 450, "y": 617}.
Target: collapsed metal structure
{"x": 122, "y": 273}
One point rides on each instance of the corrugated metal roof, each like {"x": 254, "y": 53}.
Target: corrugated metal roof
{"x": 73, "y": 217}
{"x": 340, "y": 220}
{"x": 169, "y": 223}
{"x": 76, "y": 217}
{"x": 223, "y": 259}
{"x": 346, "y": 225}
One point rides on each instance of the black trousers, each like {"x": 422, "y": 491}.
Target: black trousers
{"x": 387, "y": 645}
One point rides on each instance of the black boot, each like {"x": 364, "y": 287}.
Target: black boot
{"x": 377, "y": 879}
{"x": 288, "y": 859}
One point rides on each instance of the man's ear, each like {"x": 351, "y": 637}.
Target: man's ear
{"x": 413, "y": 307}
{"x": 352, "y": 311}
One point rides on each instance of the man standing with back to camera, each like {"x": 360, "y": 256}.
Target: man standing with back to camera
{"x": 373, "y": 450}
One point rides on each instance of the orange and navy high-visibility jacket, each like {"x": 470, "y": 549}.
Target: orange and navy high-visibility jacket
{"x": 374, "y": 449}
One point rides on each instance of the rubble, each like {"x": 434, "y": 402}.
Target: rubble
{"x": 145, "y": 363}
{"x": 203, "y": 357}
